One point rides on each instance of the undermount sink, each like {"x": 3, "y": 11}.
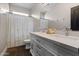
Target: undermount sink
{"x": 64, "y": 36}
{"x": 74, "y": 37}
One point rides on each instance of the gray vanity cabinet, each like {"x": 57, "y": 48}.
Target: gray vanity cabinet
{"x": 41, "y": 46}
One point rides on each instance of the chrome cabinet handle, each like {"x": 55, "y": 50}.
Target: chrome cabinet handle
{"x": 38, "y": 46}
{"x": 31, "y": 46}
{"x": 38, "y": 53}
{"x": 38, "y": 40}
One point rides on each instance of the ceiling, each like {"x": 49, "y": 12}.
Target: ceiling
{"x": 25, "y": 5}
{"x": 32, "y": 5}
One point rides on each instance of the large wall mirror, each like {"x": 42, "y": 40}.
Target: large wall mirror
{"x": 75, "y": 18}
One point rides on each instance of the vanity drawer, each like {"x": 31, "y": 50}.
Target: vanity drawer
{"x": 60, "y": 49}
{"x": 44, "y": 43}
{"x": 38, "y": 50}
{"x": 42, "y": 51}
{"x": 33, "y": 48}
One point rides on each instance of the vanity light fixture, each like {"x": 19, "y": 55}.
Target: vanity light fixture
{"x": 3, "y": 10}
{"x": 35, "y": 16}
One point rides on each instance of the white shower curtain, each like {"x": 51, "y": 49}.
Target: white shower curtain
{"x": 19, "y": 28}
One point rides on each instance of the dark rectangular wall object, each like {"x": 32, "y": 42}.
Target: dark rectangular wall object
{"x": 75, "y": 18}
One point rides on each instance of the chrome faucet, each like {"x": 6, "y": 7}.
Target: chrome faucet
{"x": 67, "y": 31}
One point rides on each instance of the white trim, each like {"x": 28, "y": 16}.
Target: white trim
{"x": 3, "y": 52}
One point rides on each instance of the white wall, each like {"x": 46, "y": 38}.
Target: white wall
{"x": 59, "y": 12}
{"x": 36, "y": 24}
{"x": 3, "y": 28}
{"x": 18, "y": 9}
{"x": 4, "y": 6}
{"x": 3, "y": 32}
{"x": 62, "y": 18}
{"x": 59, "y": 15}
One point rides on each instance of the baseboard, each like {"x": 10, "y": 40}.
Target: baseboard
{"x": 3, "y": 52}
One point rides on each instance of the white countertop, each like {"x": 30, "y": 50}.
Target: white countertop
{"x": 68, "y": 40}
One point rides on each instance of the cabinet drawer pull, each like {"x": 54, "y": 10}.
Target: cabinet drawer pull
{"x": 38, "y": 46}
{"x": 38, "y": 40}
{"x": 31, "y": 46}
{"x": 38, "y": 53}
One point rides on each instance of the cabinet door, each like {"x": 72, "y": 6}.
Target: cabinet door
{"x": 33, "y": 49}
{"x": 44, "y": 43}
{"x": 42, "y": 51}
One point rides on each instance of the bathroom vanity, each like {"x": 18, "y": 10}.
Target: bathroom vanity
{"x": 43, "y": 44}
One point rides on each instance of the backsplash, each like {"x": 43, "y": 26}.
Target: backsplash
{"x": 58, "y": 24}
